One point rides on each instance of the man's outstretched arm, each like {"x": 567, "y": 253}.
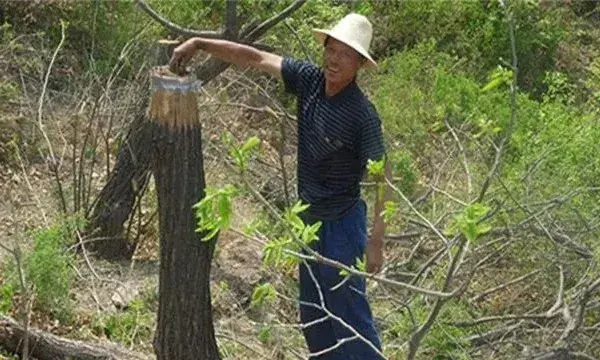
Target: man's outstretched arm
{"x": 228, "y": 51}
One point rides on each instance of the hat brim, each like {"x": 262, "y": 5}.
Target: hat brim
{"x": 322, "y": 34}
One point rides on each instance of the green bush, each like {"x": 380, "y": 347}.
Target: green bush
{"x": 48, "y": 269}
{"x": 131, "y": 327}
{"x": 477, "y": 31}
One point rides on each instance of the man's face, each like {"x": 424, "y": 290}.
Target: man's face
{"x": 341, "y": 62}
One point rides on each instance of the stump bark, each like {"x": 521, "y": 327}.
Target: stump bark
{"x": 185, "y": 325}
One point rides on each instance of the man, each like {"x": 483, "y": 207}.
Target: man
{"x": 338, "y": 132}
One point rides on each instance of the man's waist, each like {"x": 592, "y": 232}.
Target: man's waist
{"x": 329, "y": 209}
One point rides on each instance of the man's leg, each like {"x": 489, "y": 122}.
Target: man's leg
{"x": 317, "y": 328}
{"x": 346, "y": 243}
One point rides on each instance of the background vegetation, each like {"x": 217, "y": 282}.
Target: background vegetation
{"x": 71, "y": 81}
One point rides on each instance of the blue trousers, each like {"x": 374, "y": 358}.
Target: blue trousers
{"x": 343, "y": 240}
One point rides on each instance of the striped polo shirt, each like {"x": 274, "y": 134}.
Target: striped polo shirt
{"x": 336, "y": 137}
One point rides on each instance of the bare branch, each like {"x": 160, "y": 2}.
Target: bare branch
{"x": 511, "y": 317}
{"x": 323, "y": 260}
{"x": 302, "y": 45}
{"x": 231, "y": 26}
{"x": 174, "y": 27}
{"x": 493, "y": 335}
{"x": 575, "y": 323}
{"x": 513, "y": 107}
{"x": 464, "y": 156}
{"x": 561, "y": 292}
{"x": 504, "y": 286}
{"x": 417, "y": 337}
{"x": 265, "y": 26}
{"x": 421, "y": 216}
{"x": 53, "y": 162}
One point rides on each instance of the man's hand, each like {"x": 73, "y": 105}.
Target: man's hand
{"x": 181, "y": 55}
{"x": 374, "y": 256}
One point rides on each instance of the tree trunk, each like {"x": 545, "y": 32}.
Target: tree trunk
{"x": 185, "y": 326}
{"x": 125, "y": 184}
{"x": 46, "y": 346}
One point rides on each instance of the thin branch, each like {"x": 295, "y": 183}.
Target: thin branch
{"x": 326, "y": 261}
{"x": 561, "y": 292}
{"x": 510, "y": 317}
{"x": 302, "y": 45}
{"x": 493, "y": 335}
{"x": 464, "y": 156}
{"x": 504, "y": 286}
{"x": 174, "y": 27}
{"x": 421, "y": 216}
{"x": 53, "y": 161}
{"x": 334, "y": 317}
{"x": 417, "y": 337}
{"x": 513, "y": 107}
{"x": 265, "y": 26}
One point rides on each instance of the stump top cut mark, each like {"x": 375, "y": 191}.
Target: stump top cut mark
{"x": 173, "y": 101}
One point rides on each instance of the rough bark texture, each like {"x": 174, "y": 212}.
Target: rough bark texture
{"x": 125, "y": 183}
{"x": 185, "y": 326}
{"x": 46, "y": 346}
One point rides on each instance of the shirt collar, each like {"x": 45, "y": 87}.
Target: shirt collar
{"x": 346, "y": 93}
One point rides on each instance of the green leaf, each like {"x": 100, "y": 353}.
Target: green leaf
{"x": 214, "y": 211}
{"x": 390, "y": 210}
{"x": 376, "y": 168}
{"x": 264, "y": 335}
{"x": 250, "y": 144}
{"x": 262, "y": 294}
{"x": 494, "y": 84}
{"x": 469, "y": 222}
{"x": 361, "y": 264}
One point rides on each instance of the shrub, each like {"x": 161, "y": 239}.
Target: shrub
{"x": 49, "y": 271}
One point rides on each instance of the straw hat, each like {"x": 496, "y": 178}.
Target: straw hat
{"x": 353, "y": 30}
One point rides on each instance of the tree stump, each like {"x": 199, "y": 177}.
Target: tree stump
{"x": 185, "y": 327}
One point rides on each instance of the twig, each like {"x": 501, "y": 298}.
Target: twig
{"x": 28, "y": 296}
{"x": 33, "y": 193}
{"x": 504, "y": 286}
{"x": 510, "y": 317}
{"x": 54, "y": 163}
{"x": 334, "y": 317}
{"x": 575, "y": 323}
{"x": 421, "y": 216}
{"x": 513, "y": 106}
{"x": 492, "y": 335}
{"x": 464, "y": 156}
{"x": 302, "y": 45}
